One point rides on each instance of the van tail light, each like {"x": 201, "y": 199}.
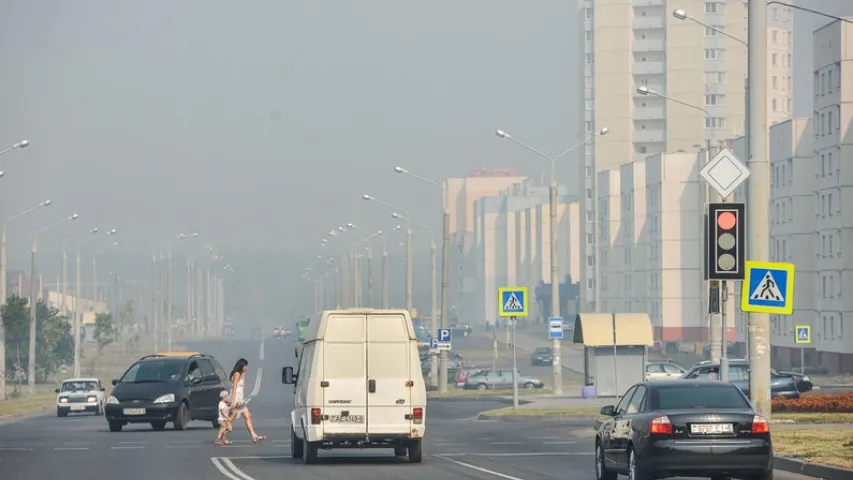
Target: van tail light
{"x": 315, "y": 416}
{"x": 418, "y": 415}
{"x": 660, "y": 425}
{"x": 760, "y": 425}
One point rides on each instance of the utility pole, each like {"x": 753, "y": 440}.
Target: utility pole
{"x": 370, "y": 278}
{"x": 758, "y": 196}
{"x": 155, "y": 311}
{"x": 384, "y": 278}
{"x": 445, "y": 284}
{"x": 555, "y": 278}
{"x": 78, "y": 315}
{"x": 31, "y": 367}
{"x": 171, "y": 325}
{"x": 433, "y": 361}
{"x": 409, "y": 305}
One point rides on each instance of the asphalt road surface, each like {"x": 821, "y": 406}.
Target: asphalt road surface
{"x": 458, "y": 446}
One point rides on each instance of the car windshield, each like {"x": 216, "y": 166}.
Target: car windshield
{"x": 79, "y": 386}
{"x": 159, "y": 371}
{"x": 678, "y": 397}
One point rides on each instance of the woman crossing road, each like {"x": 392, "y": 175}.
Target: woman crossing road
{"x": 238, "y": 398}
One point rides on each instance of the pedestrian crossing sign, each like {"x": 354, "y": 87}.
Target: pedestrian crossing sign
{"x": 804, "y": 334}
{"x": 512, "y": 302}
{"x": 768, "y": 288}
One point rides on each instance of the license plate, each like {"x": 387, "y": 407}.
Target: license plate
{"x": 78, "y": 408}
{"x": 711, "y": 428}
{"x": 134, "y": 411}
{"x": 346, "y": 418}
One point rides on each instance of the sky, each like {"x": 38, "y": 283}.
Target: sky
{"x": 261, "y": 123}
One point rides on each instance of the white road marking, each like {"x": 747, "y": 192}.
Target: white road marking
{"x": 480, "y": 469}
{"x": 132, "y": 443}
{"x": 542, "y": 438}
{"x": 16, "y": 449}
{"x": 450, "y": 444}
{"x": 227, "y": 468}
{"x": 557, "y": 443}
{"x": 70, "y": 448}
{"x": 77, "y": 443}
{"x": 505, "y": 443}
{"x": 127, "y": 447}
{"x": 219, "y": 466}
{"x": 262, "y": 350}
{"x": 257, "y": 387}
{"x": 532, "y": 454}
{"x": 258, "y": 457}
{"x": 183, "y": 446}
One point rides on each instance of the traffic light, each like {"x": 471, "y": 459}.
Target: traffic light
{"x": 725, "y": 241}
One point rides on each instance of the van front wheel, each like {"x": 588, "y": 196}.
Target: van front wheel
{"x": 416, "y": 451}
{"x": 296, "y": 445}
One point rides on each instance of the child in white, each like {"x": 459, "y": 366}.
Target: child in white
{"x": 224, "y": 418}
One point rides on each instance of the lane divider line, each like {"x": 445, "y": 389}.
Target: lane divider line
{"x": 480, "y": 469}
{"x": 227, "y": 468}
{"x": 262, "y": 350}
{"x": 216, "y": 463}
{"x": 257, "y": 387}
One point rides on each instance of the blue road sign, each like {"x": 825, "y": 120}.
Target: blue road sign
{"x": 444, "y": 335}
{"x": 768, "y": 288}
{"x": 555, "y": 328}
{"x": 513, "y": 301}
{"x": 804, "y": 334}
{"x": 433, "y": 343}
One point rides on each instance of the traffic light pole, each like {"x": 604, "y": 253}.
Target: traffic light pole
{"x": 724, "y": 354}
{"x": 714, "y": 323}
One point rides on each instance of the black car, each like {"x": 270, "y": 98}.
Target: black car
{"x": 542, "y": 356}
{"x": 688, "y": 428}
{"x": 175, "y": 387}
{"x": 781, "y": 385}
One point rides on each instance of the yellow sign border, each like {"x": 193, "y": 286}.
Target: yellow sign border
{"x": 787, "y": 309}
{"x": 797, "y": 338}
{"x": 523, "y": 291}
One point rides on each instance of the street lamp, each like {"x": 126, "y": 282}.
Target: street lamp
{"x": 3, "y": 296}
{"x": 31, "y": 370}
{"x": 78, "y": 295}
{"x": 21, "y": 144}
{"x": 193, "y": 310}
{"x": 555, "y": 272}
{"x": 64, "y": 293}
{"x": 408, "y": 247}
{"x": 445, "y": 268}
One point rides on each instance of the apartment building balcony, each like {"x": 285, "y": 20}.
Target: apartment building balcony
{"x": 648, "y": 45}
{"x": 649, "y": 136}
{"x": 649, "y": 113}
{"x": 648, "y": 68}
{"x": 649, "y": 3}
{"x": 648, "y": 23}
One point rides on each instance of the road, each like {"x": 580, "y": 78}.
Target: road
{"x": 457, "y": 445}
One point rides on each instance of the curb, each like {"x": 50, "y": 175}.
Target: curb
{"x": 17, "y": 417}
{"x": 818, "y": 470}
{"x": 561, "y": 418}
{"x": 496, "y": 399}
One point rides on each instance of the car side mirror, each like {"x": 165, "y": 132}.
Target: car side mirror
{"x": 195, "y": 380}
{"x": 115, "y": 382}
{"x": 212, "y": 377}
{"x": 296, "y": 352}
{"x": 57, "y": 390}
{"x": 608, "y": 410}
{"x": 287, "y": 376}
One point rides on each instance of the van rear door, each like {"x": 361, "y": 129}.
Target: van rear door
{"x": 344, "y": 373}
{"x": 389, "y": 371}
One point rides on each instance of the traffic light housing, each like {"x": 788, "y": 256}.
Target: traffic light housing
{"x": 725, "y": 241}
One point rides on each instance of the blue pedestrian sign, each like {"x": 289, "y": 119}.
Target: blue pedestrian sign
{"x": 768, "y": 288}
{"x": 555, "y": 328}
{"x": 512, "y": 301}
{"x": 804, "y": 334}
{"x": 444, "y": 335}
{"x": 433, "y": 343}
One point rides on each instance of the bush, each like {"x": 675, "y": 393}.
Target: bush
{"x": 817, "y": 403}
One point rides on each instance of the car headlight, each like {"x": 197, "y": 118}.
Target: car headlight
{"x": 63, "y": 400}
{"x": 168, "y": 398}
{"x": 92, "y": 399}
{"x": 112, "y": 399}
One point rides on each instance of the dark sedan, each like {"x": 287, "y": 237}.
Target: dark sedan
{"x": 688, "y": 428}
{"x": 542, "y": 356}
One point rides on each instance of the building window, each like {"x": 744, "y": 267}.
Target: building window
{"x": 590, "y": 239}
{"x": 774, "y": 60}
{"x": 590, "y": 284}
{"x": 588, "y": 36}
{"x": 713, "y": 99}
{"x": 590, "y": 261}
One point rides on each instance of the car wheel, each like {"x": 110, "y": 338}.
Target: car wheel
{"x": 182, "y": 417}
{"x": 310, "y": 452}
{"x": 482, "y": 386}
{"x": 159, "y": 426}
{"x": 601, "y": 472}
{"x": 634, "y": 471}
{"x": 416, "y": 451}
{"x": 768, "y": 475}
{"x": 61, "y": 413}
{"x": 296, "y": 450}
{"x": 529, "y": 386}
{"x": 115, "y": 426}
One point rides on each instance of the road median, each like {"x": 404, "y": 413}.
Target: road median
{"x": 590, "y": 414}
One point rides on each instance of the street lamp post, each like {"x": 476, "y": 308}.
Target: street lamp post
{"x": 21, "y": 144}
{"x": 408, "y": 248}
{"x": 433, "y": 372}
{"x": 3, "y": 296}
{"x": 31, "y": 368}
{"x": 367, "y": 241}
{"x": 64, "y": 293}
{"x": 78, "y": 299}
{"x": 555, "y": 271}
{"x": 170, "y": 308}
{"x": 191, "y": 314}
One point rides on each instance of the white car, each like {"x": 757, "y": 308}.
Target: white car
{"x": 79, "y": 395}
{"x": 663, "y": 370}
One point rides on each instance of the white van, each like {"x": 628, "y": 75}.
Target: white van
{"x": 358, "y": 385}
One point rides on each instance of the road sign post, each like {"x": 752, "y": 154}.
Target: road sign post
{"x": 513, "y": 304}
{"x": 803, "y": 337}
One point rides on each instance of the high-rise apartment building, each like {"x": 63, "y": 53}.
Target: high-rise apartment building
{"x": 700, "y": 61}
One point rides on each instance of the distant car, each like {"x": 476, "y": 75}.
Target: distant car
{"x": 463, "y": 374}
{"x": 453, "y": 366}
{"x": 804, "y": 383}
{"x": 675, "y": 428}
{"x": 80, "y": 395}
{"x": 168, "y": 387}
{"x": 280, "y": 332}
{"x": 781, "y": 385}
{"x": 500, "y": 379}
{"x": 662, "y": 370}
{"x": 542, "y": 356}
{"x": 465, "y": 330}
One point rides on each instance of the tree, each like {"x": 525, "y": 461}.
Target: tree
{"x": 16, "y": 322}
{"x": 128, "y": 335}
{"x": 54, "y": 342}
{"x": 104, "y": 330}
{"x": 127, "y": 313}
